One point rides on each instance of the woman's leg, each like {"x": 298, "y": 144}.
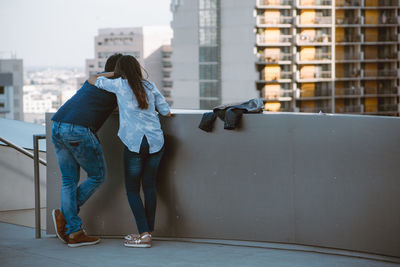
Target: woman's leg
{"x": 150, "y": 169}
{"x": 133, "y": 169}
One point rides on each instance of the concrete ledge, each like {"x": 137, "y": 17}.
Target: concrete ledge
{"x": 315, "y": 180}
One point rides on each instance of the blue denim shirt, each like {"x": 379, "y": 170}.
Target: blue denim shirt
{"x": 135, "y": 122}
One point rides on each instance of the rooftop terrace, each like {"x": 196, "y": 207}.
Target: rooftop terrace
{"x": 19, "y": 248}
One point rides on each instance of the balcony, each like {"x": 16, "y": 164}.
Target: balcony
{"x": 281, "y": 22}
{"x": 190, "y": 194}
{"x": 306, "y": 173}
{"x": 380, "y": 73}
{"x": 350, "y": 109}
{"x": 282, "y": 77}
{"x": 316, "y": 94}
{"x": 274, "y": 58}
{"x": 323, "y": 109}
{"x": 274, "y": 4}
{"x": 318, "y": 40}
{"x": 315, "y": 76}
{"x": 348, "y": 92}
{"x": 389, "y": 108}
{"x": 349, "y": 39}
{"x": 317, "y": 22}
{"x": 317, "y": 58}
{"x": 314, "y": 4}
{"x": 281, "y": 95}
{"x": 383, "y": 56}
{"x": 383, "y": 21}
{"x": 389, "y": 3}
{"x": 344, "y": 22}
{"x": 381, "y": 92}
{"x": 282, "y": 40}
{"x": 347, "y": 3}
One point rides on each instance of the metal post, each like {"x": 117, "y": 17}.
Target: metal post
{"x": 37, "y": 183}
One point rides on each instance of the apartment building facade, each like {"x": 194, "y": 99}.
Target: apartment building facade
{"x": 148, "y": 44}
{"x": 11, "y": 83}
{"x": 303, "y": 55}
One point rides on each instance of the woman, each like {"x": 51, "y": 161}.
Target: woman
{"x": 140, "y": 131}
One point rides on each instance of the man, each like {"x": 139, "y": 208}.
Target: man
{"x": 74, "y": 137}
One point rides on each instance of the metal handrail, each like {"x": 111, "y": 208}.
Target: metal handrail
{"x": 36, "y": 161}
{"x": 22, "y": 150}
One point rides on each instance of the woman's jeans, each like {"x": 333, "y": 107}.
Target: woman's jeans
{"x": 76, "y": 146}
{"x": 142, "y": 168}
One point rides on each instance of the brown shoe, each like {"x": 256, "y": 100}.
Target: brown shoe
{"x": 59, "y": 225}
{"x": 80, "y": 238}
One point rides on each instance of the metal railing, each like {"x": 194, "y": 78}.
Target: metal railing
{"x": 274, "y": 21}
{"x": 36, "y": 180}
{"x": 350, "y": 109}
{"x": 388, "y": 107}
{"x": 355, "y": 20}
{"x": 262, "y": 39}
{"x": 315, "y": 3}
{"x": 317, "y": 74}
{"x": 377, "y": 73}
{"x": 274, "y": 2}
{"x": 274, "y": 57}
{"x": 276, "y": 76}
{"x": 347, "y": 3}
{"x": 304, "y": 38}
{"x": 324, "y": 109}
{"x": 347, "y": 91}
{"x": 316, "y": 20}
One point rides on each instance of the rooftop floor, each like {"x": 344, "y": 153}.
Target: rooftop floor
{"x": 18, "y": 247}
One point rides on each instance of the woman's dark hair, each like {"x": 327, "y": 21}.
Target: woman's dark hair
{"x": 129, "y": 68}
{"x": 111, "y": 62}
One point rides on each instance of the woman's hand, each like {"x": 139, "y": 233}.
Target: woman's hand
{"x": 92, "y": 79}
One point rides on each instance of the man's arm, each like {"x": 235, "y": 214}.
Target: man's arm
{"x": 92, "y": 79}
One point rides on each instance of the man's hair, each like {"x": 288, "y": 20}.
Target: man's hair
{"x": 111, "y": 62}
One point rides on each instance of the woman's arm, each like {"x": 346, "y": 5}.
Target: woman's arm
{"x": 92, "y": 79}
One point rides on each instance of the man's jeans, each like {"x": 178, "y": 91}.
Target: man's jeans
{"x": 76, "y": 146}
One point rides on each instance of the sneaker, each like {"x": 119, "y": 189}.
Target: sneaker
{"x": 133, "y": 236}
{"x": 80, "y": 238}
{"x": 59, "y": 225}
{"x": 139, "y": 242}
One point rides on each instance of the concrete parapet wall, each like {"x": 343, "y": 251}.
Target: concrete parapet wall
{"x": 320, "y": 180}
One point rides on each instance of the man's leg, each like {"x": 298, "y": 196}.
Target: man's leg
{"x": 70, "y": 177}
{"x": 86, "y": 152}
{"x": 92, "y": 161}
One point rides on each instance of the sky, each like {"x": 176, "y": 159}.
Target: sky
{"x": 60, "y": 33}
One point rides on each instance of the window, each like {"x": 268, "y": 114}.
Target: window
{"x": 208, "y": 53}
{"x": 2, "y": 91}
{"x": 2, "y": 105}
{"x": 208, "y": 72}
{"x": 208, "y": 89}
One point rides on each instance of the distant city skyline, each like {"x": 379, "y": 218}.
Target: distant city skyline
{"x": 59, "y": 33}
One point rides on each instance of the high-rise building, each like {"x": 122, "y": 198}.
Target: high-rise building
{"x": 148, "y": 44}
{"x": 303, "y": 55}
{"x": 11, "y": 83}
